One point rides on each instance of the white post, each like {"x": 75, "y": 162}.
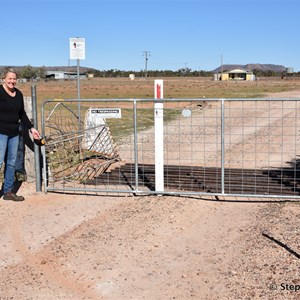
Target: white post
{"x": 159, "y": 135}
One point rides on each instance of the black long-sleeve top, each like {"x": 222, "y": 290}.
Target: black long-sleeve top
{"x": 12, "y": 112}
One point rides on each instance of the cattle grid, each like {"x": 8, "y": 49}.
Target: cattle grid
{"x": 217, "y": 147}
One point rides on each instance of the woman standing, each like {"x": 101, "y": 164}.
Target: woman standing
{"x": 11, "y": 113}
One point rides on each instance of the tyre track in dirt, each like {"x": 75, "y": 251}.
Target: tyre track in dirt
{"x": 156, "y": 248}
{"x": 78, "y": 286}
{"x": 27, "y": 231}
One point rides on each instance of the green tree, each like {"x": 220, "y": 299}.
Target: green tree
{"x": 42, "y": 72}
{"x": 29, "y": 72}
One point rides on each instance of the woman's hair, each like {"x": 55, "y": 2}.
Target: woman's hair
{"x": 8, "y": 70}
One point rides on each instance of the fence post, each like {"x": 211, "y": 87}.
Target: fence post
{"x": 159, "y": 135}
{"x": 36, "y": 147}
{"x": 223, "y": 144}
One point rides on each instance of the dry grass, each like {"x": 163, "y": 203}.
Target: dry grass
{"x": 119, "y": 88}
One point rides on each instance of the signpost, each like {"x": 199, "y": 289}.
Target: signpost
{"x": 77, "y": 48}
{"x": 77, "y": 51}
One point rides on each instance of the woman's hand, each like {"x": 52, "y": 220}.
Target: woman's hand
{"x": 35, "y": 133}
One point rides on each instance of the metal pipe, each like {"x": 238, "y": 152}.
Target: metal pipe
{"x": 37, "y": 162}
{"x": 136, "y": 164}
{"x": 78, "y": 95}
{"x": 43, "y": 149}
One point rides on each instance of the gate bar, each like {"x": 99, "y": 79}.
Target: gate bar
{"x": 136, "y": 163}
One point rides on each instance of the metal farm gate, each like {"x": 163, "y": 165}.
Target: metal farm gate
{"x": 219, "y": 147}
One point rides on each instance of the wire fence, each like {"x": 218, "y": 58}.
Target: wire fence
{"x": 221, "y": 147}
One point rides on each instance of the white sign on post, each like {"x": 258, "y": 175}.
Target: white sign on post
{"x": 77, "y": 48}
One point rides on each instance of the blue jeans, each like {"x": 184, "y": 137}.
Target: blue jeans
{"x": 20, "y": 162}
{"x": 8, "y": 146}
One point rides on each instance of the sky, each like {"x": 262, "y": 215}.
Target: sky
{"x": 198, "y": 34}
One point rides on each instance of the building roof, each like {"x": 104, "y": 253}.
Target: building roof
{"x": 241, "y": 71}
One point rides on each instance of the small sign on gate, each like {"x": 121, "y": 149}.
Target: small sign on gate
{"x": 105, "y": 113}
{"x": 97, "y": 136}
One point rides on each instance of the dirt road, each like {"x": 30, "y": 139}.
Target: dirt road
{"x": 92, "y": 247}
{"x": 60, "y": 246}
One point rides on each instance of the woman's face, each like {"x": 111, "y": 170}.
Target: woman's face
{"x": 10, "y": 80}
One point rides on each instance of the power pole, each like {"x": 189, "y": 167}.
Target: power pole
{"x": 146, "y": 54}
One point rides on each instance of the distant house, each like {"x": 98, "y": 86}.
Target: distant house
{"x": 62, "y": 75}
{"x": 236, "y": 74}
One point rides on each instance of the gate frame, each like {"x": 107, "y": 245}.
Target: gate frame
{"x": 137, "y": 191}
